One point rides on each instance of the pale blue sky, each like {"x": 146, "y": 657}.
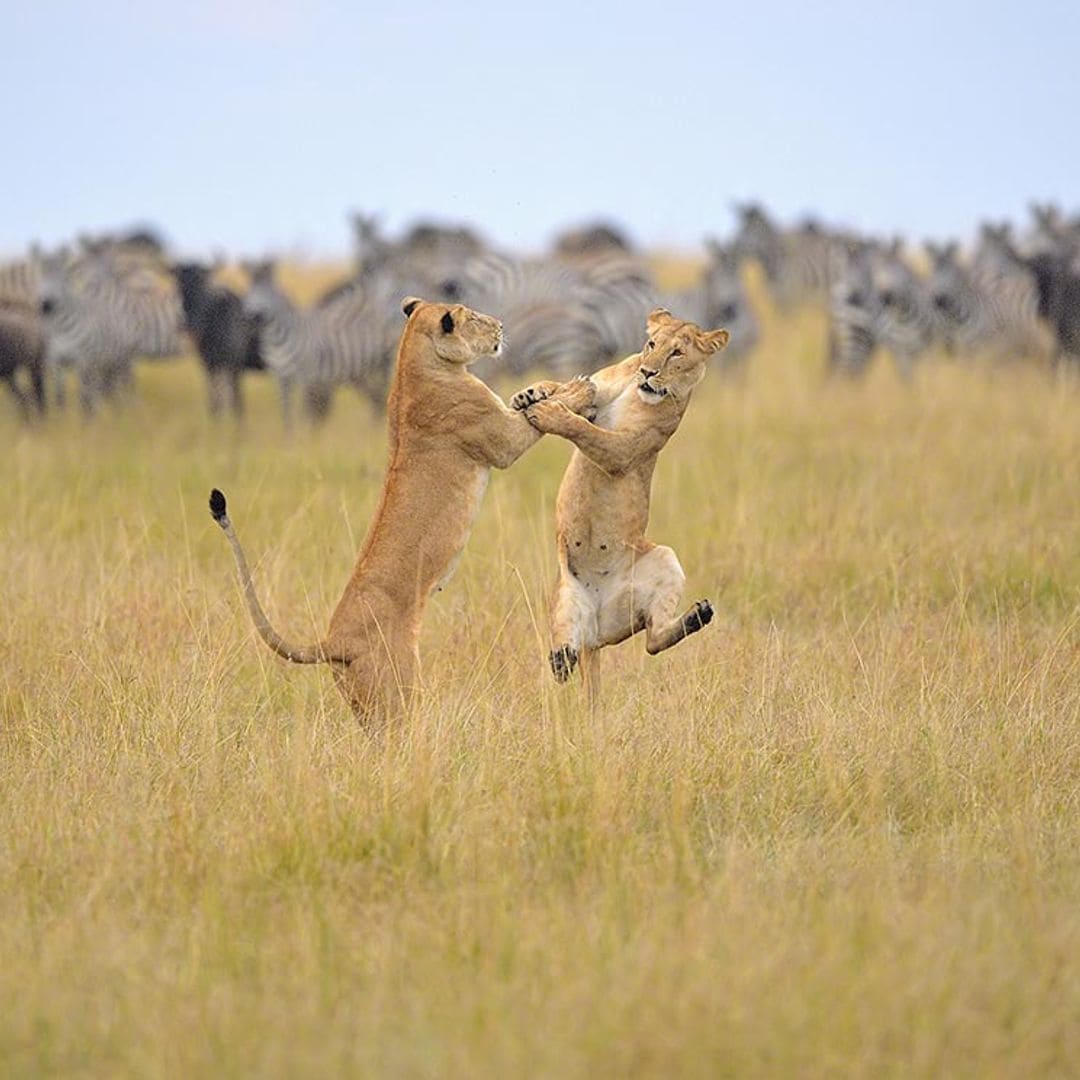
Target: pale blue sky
{"x": 241, "y": 125}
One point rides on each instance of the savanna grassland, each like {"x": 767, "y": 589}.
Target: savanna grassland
{"x": 838, "y": 832}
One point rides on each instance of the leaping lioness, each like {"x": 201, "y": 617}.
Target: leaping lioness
{"x": 613, "y": 582}
{"x": 446, "y": 431}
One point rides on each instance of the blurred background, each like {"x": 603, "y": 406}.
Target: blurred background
{"x": 818, "y": 149}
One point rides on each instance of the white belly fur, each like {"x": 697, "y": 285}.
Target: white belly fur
{"x": 609, "y": 416}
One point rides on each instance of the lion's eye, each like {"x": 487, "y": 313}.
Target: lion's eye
{"x": 676, "y": 352}
{"x": 651, "y": 345}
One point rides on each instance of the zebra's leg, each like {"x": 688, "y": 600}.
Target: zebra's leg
{"x": 285, "y": 391}
{"x": 214, "y": 390}
{"x": 119, "y": 382}
{"x": 59, "y": 377}
{"x": 18, "y": 394}
{"x": 91, "y": 389}
{"x": 236, "y": 393}
{"x": 116, "y": 381}
{"x": 318, "y": 399}
{"x": 904, "y": 362}
{"x": 37, "y": 386}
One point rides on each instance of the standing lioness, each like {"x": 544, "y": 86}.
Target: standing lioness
{"x": 447, "y": 430}
{"x": 614, "y": 582}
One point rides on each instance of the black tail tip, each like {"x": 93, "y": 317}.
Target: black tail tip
{"x": 217, "y": 505}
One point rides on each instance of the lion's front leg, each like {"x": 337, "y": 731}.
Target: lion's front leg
{"x": 578, "y": 395}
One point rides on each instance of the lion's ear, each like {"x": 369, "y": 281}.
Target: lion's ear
{"x": 410, "y": 304}
{"x": 714, "y": 340}
{"x": 657, "y": 318}
{"x": 448, "y": 323}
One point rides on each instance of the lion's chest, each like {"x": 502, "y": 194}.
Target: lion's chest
{"x": 472, "y": 498}
{"x": 614, "y": 412}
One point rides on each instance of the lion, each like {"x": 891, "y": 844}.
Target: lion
{"x": 613, "y": 582}
{"x": 447, "y": 430}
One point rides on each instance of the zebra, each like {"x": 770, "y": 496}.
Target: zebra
{"x": 1057, "y": 281}
{"x": 22, "y": 345}
{"x": 98, "y": 322}
{"x": 20, "y": 279}
{"x": 795, "y": 263}
{"x": 428, "y": 262}
{"x": 347, "y": 340}
{"x": 904, "y": 313}
{"x": 988, "y": 304}
{"x": 547, "y": 321}
{"x": 619, "y": 291}
{"x": 1049, "y": 231}
{"x": 724, "y": 301}
{"x": 1054, "y": 286}
{"x": 854, "y": 310}
{"x": 810, "y": 244}
{"x": 594, "y": 238}
{"x": 226, "y": 339}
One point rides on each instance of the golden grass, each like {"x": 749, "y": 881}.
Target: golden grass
{"x": 836, "y": 833}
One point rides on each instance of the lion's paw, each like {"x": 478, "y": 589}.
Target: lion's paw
{"x": 698, "y": 616}
{"x": 563, "y": 661}
{"x": 579, "y": 395}
{"x": 529, "y": 396}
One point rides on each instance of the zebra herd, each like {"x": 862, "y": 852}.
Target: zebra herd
{"x": 93, "y": 310}
{"x": 1009, "y": 297}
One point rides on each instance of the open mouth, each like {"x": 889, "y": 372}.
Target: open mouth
{"x": 650, "y": 392}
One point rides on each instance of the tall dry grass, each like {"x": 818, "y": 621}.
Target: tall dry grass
{"x": 837, "y": 832}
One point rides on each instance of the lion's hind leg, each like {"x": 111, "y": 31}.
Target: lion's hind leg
{"x": 377, "y": 685}
{"x": 650, "y": 602}
{"x": 662, "y": 579}
{"x": 573, "y": 625}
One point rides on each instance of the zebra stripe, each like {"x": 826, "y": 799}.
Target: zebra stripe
{"x": 724, "y": 302}
{"x": 98, "y": 323}
{"x": 546, "y": 322}
{"x": 985, "y": 306}
{"x": 20, "y": 280}
{"x": 345, "y": 340}
{"x": 905, "y": 317}
{"x": 853, "y": 312}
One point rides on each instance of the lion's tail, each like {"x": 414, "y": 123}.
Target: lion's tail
{"x": 298, "y": 654}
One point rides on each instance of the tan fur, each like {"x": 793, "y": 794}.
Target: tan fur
{"x": 613, "y": 581}
{"x": 447, "y": 429}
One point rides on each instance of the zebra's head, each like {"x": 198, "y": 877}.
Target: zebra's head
{"x": 674, "y": 358}
{"x": 454, "y": 334}
{"x": 892, "y": 279}
{"x": 54, "y": 285}
{"x": 265, "y": 301}
{"x": 949, "y": 285}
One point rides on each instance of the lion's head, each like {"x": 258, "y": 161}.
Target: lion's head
{"x": 457, "y": 334}
{"x": 674, "y": 357}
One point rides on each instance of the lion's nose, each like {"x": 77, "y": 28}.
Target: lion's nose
{"x": 647, "y": 372}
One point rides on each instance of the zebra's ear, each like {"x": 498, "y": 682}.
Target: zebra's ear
{"x": 409, "y": 305}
